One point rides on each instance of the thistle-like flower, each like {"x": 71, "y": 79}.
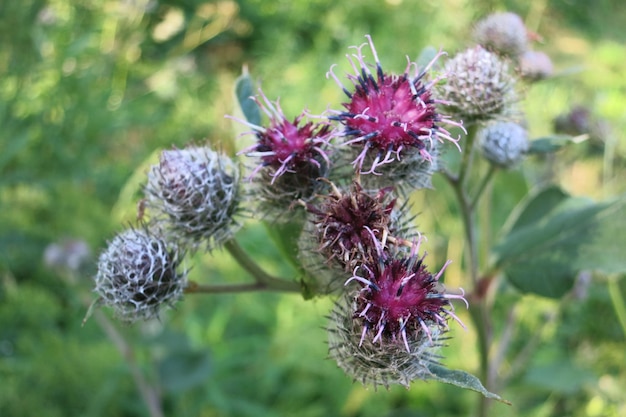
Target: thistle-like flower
{"x": 346, "y": 222}
{"x": 503, "y": 143}
{"x": 194, "y": 193}
{"x": 482, "y": 88}
{"x": 138, "y": 275}
{"x": 503, "y": 33}
{"x": 292, "y": 155}
{"x": 388, "y": 329}
{"x": 389, "y": 117}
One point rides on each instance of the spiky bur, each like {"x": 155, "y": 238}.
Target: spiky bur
{"x": 291, "y": 157}
{"x": 138, "y": 274}
{"x": 342, "y": 228}
{"x": 389, "y": 329}
{"x": 193, "y": 195}
{"x": 503, "y": 143}
{"x": 482, "y": 88}
{"x": 503, "y": 33}
{"x": 413, "y": 172}
{"x": 389, "y": 118}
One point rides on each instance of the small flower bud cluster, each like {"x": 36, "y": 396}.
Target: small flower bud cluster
{"x": 506, "y": 35}
{"x": 138, "y": 274}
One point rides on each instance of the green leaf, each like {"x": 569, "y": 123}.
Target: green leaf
{"x": 543, "y": 255}
{"x": 536, "y": 206}
{"x": 244, "y": 90}
{"x": 561, "y": 375}
{"x": 551, "y": 144}
{"x": 184, "y": 369}
{"x": 461, "y": 379}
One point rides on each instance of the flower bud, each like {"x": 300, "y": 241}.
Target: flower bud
{"x": 503, "y": 143}
{"x": 479, "y": 86}
{"x": 502, "y": 33}
{"x": 137, "y": 275}
{"x": 194, "y": 193}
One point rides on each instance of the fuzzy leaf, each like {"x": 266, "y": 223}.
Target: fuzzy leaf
{"x": 538, "y": 206}
{"x": 549, "y": 144}
{"x": 461, "y": 379}
{"x": 543, "y": 256}
{"x": 244, "y": 90}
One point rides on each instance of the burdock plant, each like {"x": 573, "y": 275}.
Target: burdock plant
{"x": 336, "y": 191}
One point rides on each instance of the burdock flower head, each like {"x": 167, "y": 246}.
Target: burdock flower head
{"x": 389, "y": 117}
{"x": 292, "y": 155}
{"x": 194, "y": 193}
{"x": 482, "y": 86}
{"x": 388, "y": 329}
{"x": 138, "y": 275}
{"x": 345, "y": 222}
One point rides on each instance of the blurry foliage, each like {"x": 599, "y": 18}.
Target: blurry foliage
{"x": 89, "y": 89}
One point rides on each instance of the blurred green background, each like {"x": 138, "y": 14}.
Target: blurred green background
{"x": 91, "y": 89}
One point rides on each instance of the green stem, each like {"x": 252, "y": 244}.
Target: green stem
{"x": 264, "y": 281}
{"x": 195, "y": 288}
{"x": 467, "y": 156}
{"x": 478, "y": 309}
{"x": 483, "y": 185}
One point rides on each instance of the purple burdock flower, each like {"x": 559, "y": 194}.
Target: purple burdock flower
{"x": 400, "y": 299}
{"x": 388, "y": 330}
{"x": 389, "y": 116}
{"x": 345, "y": 221}
{"x": 292, "y": 156}
{"x": 286, "y": 146}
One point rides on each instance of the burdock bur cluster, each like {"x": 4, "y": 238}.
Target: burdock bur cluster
{"x": 344, "y": 177}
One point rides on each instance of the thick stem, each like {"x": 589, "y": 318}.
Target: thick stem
{"x": 478, "y": 308}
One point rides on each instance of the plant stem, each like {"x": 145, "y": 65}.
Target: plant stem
{"x": 483, "y": 185}
{"x": 149, "y": 394}
{"x": 264, "y": 281}
{"x": 478, "y": 308}
{"x": 195, "y": 288}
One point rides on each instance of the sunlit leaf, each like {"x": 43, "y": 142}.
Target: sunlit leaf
{"x": 553, "y": 143}
{"x": 244, "y": 90}
{"x": 544, "y": 254}
{"x": 461, "y": 379}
